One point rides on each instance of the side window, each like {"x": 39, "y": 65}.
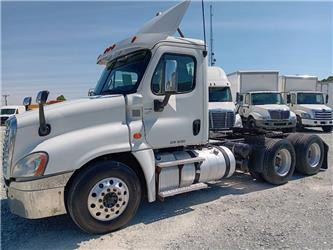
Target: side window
{"x": 185, "y": 74}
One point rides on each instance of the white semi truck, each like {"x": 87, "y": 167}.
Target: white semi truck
{"x": 260, "y": 103}
{"x": 222, "y": 109}
{"x": 306, "y": 102}
{"x": 144, "y": 134}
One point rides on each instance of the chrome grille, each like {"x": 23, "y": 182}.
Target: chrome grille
{"x": 5, "y": 149}
{"x": 279, "y": 114}
{"x": 221, "y": 120}
{"x": 323, "y": 115}
{"x": 8, "y": 145}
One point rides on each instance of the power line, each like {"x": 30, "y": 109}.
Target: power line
{"x": 5, "y": 97}
{"x": 212, "y": 59}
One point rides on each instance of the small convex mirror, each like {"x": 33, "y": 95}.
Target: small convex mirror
{"x": 288, "y": 98}
{"x": 91, "y": 92}
{"x": 26, "y": 101}
{"x": 42, "y": 96}
{"x": 170, "y": 76}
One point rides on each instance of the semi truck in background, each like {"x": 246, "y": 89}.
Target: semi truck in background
{"x": 327, "y": 89}
{"x": 8, "y": 111}
{"x": 221, "y": 106}
{"x": 260, "y": 104}
{"x": 306, "y": 102}
{"x": 144, "y": 134}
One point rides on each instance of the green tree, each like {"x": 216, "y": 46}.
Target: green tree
{"x": 328, "y": 79}
{"x": 61, "y": 98}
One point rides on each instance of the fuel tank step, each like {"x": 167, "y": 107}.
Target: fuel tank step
{"x": 179, "y": 162}
{"x": 181, "y": 190}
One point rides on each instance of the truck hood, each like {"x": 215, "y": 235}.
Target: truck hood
{"x": 228, "y": 106}
{"x": 273, "y": 107}
{"x": 315, "y": 107}
{"x": 66, "y": 117}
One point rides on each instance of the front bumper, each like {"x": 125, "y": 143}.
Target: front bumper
{"x": 316, "y": 123}
{"x": 38, "y": 198}
{"x": 275, "y": 124}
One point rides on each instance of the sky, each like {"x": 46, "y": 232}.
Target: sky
{"x": 54, "y": 45}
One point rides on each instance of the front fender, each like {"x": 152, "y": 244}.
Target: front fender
{"x": 72, "y": 150}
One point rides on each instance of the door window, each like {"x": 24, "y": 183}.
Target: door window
{"x": 185, "y": 74}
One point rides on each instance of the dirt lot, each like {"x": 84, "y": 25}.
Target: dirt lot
{"x": 235, "y": 214}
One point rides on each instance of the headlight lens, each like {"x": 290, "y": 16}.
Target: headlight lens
{"x": 305, "y": 115}
{"x": 31, "y": 165}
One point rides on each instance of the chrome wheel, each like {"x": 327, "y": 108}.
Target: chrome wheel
{"x": 108, "y": 199}
{"x": 313, "y": 155}
{"x": 282, "y": 162}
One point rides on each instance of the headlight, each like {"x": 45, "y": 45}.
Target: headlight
{"x": 305, "y": 115}
{"x": 31, "y": 165}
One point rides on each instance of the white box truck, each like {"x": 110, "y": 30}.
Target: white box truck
{"x": 261, "y": 105}
{"x": 222, "y": 109}
{"x": 327, "y": 89}
{"x": 144, "y": 134}
{"x": 307, "y": 102}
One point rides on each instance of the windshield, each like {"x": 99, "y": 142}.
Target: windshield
{"x": 8, "y": 111}
{"x": 123, "y": 74}
{"x": 266, "y": 98}
{"x": 220, "y": 94}
{"x": 310, "y": 98}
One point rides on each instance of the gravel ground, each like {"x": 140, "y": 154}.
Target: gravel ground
{"x": 238, "y": 213}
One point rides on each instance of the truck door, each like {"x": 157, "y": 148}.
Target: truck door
{"x": 181, "y": 122}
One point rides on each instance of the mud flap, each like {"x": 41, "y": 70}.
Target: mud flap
{"x": 325, "y": 161}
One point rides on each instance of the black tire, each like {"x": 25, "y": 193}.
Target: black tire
{"x": 327, "y": 129}
{"x": 251, "y": 123}
{"x": 272, "y": 148}
{"x": 77, "y": 198}
{"x": 302, "y": 143}
{"x": 256, "y": 175}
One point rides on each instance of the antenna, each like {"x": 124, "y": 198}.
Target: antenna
{"x": 212, "y": 59}
{"x": 203, "y": 21}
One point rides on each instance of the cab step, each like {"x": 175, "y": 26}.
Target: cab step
{"x": 182, "y": 190}
{"x": 179, "y": 162}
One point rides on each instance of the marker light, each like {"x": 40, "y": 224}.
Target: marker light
{"x": 137, "y": 136}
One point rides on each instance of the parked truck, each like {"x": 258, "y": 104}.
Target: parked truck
{"x": 260, "y": 103}
{"x": 144, "y": 134}
{"x": 222, "y": 109}
{"x": 8, "y": 111}
{"x": 306, "y": 102}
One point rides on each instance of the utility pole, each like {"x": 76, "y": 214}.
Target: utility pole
{"x": 212, "y": 59}
{"x": 5, "y": 97}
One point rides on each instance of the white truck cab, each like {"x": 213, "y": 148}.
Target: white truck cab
{"x": 222, "y": 109}
{"x": 144, "y": 134}
{"x": 308, "y": 103}
{"x": 261, "y": 105}
{"x": 8, "y": 111}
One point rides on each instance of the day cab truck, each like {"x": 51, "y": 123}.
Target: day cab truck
{"x": 142, "y": 135}
{"x": 306, "y": 102}
{"x": 222, "y": 109}
{"x": 260, "y": 103}
{"x": 8, "y": 111}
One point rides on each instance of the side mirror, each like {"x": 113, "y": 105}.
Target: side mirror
{"x": 239, "y": 97}
{"x": 170, "y": 84}
{"x": 91, "y": 92}
{"x": 288, "y": 98}
{"x": 42, "y": 97}
{"x": 326, "y": 99}
{"x": 170, "y": 78}
{"x": 44, "y": 128}
{"x": 27, "y": 102}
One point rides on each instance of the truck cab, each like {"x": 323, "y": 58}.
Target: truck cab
{"x": 222, "y": 109}
{"x": 309, "y": 104}
{"x": 8, "y": 111}
{"x": 260, "y": 103}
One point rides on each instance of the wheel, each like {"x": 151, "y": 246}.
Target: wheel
{"x": 299, "y": 125}
{"x": 279, "y": 161}
{"x": 256, "y": 175}
{"x": 327, "y": 129}
{"x": 251, "y": 123}
{"x": 104, "y": 197}
{"x": 309, "y": 152}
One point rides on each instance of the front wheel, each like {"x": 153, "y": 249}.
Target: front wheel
{"x": 104, "y": 197}
{"x": 327, "y": 129}
{"x": 279, "y": 161}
